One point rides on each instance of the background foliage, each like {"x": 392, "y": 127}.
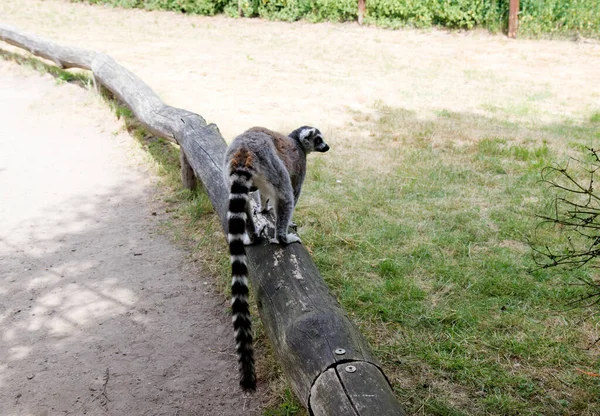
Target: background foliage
{"x": 537, "y": 17}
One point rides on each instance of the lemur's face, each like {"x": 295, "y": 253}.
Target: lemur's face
{"x": 312, "y": 140}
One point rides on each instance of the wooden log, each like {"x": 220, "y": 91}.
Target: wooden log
{"x": 62, "y": 56}
{"x": 353, "y": 388}
{"x": 308, "y": 328}
{"x": 311, "y": 333}
{"x": 327, "y": 396}
{"x": 365, "y": 384}
{"x": 188, "y": 178}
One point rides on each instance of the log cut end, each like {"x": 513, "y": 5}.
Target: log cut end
{"x": 353, "y": 389}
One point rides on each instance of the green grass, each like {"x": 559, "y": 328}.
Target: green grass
{"x": 424, "y": 242}
{"x": 61, "y": 76}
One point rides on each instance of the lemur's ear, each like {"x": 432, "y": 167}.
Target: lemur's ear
{"x": 306, "y": 132}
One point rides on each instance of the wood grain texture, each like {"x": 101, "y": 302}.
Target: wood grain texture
{"x": 62, "y": 56}
{"x": 368, "y": 390}
{"x": 307, "y": 326}
{"x": 353, "y": 388}
{"x": 305, "y": 323}
{"x": 328, "y": 396}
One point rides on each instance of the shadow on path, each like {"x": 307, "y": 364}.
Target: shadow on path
{"x": 99, "y": 314}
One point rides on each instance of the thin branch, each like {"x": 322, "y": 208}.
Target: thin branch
{"x": 576, "y": 211}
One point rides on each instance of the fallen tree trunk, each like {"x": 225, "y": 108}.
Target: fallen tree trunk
{"x": 62, "y": 56}
{"x": 328, "y": 363}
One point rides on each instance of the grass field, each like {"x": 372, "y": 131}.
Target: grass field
{"x": 420, "y": 215}
{"x": 425, "y": 243}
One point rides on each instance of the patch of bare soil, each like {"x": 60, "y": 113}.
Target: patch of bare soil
{"x": 99, "y": 314}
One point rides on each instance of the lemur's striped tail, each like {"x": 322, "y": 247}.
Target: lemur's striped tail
{"x": 241, "y": 180}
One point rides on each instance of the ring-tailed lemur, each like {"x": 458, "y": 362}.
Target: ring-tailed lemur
{"x": 275, "y": 165}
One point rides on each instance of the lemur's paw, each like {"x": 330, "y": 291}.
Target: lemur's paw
{"x": 284, "y": 239}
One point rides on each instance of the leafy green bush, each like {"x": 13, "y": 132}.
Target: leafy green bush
{"x": 414, "y": 12}
{"x": 556, "y": 16}
{"x": 313, "y": 10}
{"x": 288, "y": 10}
{"x": 205, "y": 7}
{"x": 536, "y": 17}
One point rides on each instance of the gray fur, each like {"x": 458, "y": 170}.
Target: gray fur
{"x": 278, "y": 169}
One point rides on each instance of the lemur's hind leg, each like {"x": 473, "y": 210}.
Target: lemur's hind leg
{"x": 284, "y": 209}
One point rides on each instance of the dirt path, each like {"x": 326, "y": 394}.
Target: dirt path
{"x": 100, "y": 314}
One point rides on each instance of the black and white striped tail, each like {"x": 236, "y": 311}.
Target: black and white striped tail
{"x": 236, "y": 218}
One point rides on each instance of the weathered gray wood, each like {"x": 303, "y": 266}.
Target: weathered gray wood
{"x": 327, "y": 396}
{"x": 202, "y": 144}
{"x": 304, "y": 322}
{"x": 353, "y": 388}
{"x": 368, "y": 390}
{"x": 62, "y": 56}
{"x": 188, "y": 178}
{"x": 157, "y": 117}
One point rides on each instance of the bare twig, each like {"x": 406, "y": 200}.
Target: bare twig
{"x": 575, "y": 211}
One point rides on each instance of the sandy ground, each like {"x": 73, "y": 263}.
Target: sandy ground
{"x": 99, "y": 314}
{"x": 243, "y": 72}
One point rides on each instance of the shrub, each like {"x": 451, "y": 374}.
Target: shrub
{"x": 536, "y": 17}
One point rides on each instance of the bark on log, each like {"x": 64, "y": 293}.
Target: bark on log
{"x": 312, "y": 335}
{"x": 62, "y": 56}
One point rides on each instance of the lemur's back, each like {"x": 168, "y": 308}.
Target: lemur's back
{"x": 264, "y": 144}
